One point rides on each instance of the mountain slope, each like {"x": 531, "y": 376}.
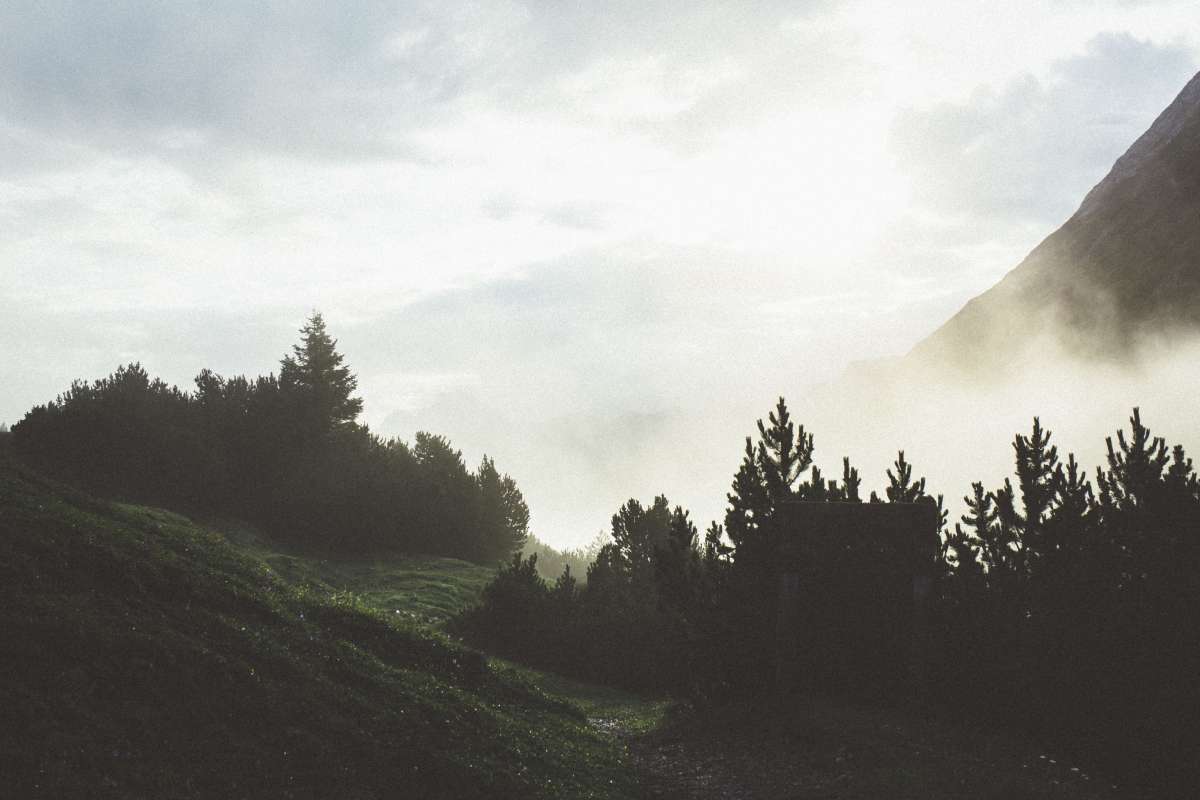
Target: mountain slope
{"x": 145, "y": 657}
{"x": 1124, "y": 267}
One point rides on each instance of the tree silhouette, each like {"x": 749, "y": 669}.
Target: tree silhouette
{"x": 315, "y": 374}
{"x": 783, "y": 454}
{"x": 749, "y": 504}
{"x": 1037, "y": 468}
{"x": 1134, "y": 469}
{"x": 901, "y": 487}
{"x": 504, "y": 516}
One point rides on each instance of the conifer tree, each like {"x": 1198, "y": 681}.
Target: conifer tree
{"x": 564, "y": 587}
{"x": 815, "y": 489}
{"x": 504, "y": 517}
{"x": 1181, "y": 476}
{"x": 783, "y": 453}
{"x": 851, "y": 483}
{"x": 748, "y": 502}
{"x": 639, "y": 532}
{"x": 961, "y": 553}
{"x": 1002, "y": 547}
{"x": 768, "y": 475}
{"x": 715, "y": 548}
{"x": 1135, "y": 469}
{"x": 981, "y": 512}
{"x": 901, "y": 487}
{"x": 1037, "y": 468}
{"x": 942, "y": 515}
{"x": 315, "y": 374}
{"x": 1072, "y": 500}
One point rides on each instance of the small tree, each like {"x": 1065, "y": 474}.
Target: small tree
{"x": 901, "y": 487}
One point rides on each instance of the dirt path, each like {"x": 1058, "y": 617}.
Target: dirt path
{"x": 826, "y": 750}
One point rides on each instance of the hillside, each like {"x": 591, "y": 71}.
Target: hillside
{"x": 145, "y": 656}
{"x": 427, "y": 589}
{"x": 1124, "y": 268}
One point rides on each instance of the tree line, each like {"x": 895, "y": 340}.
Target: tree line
{"x": 283, "y": 451}
{"x": 1061, "y": 607}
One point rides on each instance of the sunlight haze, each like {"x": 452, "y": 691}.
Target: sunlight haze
{"x": 592, "y": 241}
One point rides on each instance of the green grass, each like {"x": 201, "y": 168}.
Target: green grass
{"x": 607, "y": 707}
{"x": 424, "y": 589}
{"x": 144, "y": 656}
{"x": 428, "y": 589}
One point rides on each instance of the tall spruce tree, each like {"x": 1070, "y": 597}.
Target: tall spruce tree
{"x": 316, "y": 377}
{"x": 503, "y": 526}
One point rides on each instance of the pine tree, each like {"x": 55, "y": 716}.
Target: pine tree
{"x": 639, "y": 532}
{"x": 317, "y": 377}
{"x": 503, "y": 526}
{"x": 1002, "y": 546}
{"x": 962, "y": 554}
{"x": 901, "y": 487}
{"x": 981, "y": 512}
{"x": 851, "y": 483}
{"x": 748, "y": 502}
{"x": 1037, "y": 469}
{"x": 715, "y": 548}
{"x": 1072, "y": 500}
{"x": 783, "y": 453}
{"x": 815, "y": 489}
{"x": 1135, "y": 470}
{"x": 564, "y": 589}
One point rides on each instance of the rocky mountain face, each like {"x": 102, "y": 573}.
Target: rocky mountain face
{"x": 1123, "y": 269}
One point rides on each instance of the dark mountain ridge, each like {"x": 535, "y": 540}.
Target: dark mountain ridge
{"x": 1124, "y": 269}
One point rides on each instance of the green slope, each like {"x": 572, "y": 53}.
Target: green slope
{"x": 144, "y": 656}
{"x": 425, "y": 589}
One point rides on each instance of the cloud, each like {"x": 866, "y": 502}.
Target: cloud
{"x": 1030, "y": 150}
{"x": 348, "y": 80}
{"x": 594, "y": 240}
{"x": 618, "y": 371}
{"x": 315, "y": 79}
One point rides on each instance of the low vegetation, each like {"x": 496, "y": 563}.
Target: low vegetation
{"x": 145, "y": 656}
{"x": 427, "y": 589}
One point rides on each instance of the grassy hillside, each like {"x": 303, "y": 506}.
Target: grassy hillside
{"x": 419, "y": 588}
{"x": 145, "y": 656}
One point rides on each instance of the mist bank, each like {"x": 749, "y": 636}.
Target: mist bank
{"x": 957, "y": 426}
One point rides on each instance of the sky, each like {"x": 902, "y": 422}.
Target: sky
{"x": 594, "y": 241}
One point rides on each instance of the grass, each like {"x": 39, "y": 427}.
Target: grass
{"x": 146, "y": 656}
{"x": 430, "y": 590}
{"x": 423, "y": 589}
{"x": 607, "y": 707}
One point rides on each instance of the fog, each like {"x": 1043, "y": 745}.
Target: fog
{"x": 593, "y": 243}
{"x": 957, "y": 428}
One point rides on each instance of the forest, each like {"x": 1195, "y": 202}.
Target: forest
{"x": 1063, "y": 603}
{"x": 284, "y": 451}
{"x": 1063, "y": 608}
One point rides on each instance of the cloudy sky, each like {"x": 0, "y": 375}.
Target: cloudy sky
{"x": 592, "y": 240}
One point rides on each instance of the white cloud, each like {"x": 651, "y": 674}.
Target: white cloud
{"x": 1031, "y": 149}
{"x": 593, "y": 240}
